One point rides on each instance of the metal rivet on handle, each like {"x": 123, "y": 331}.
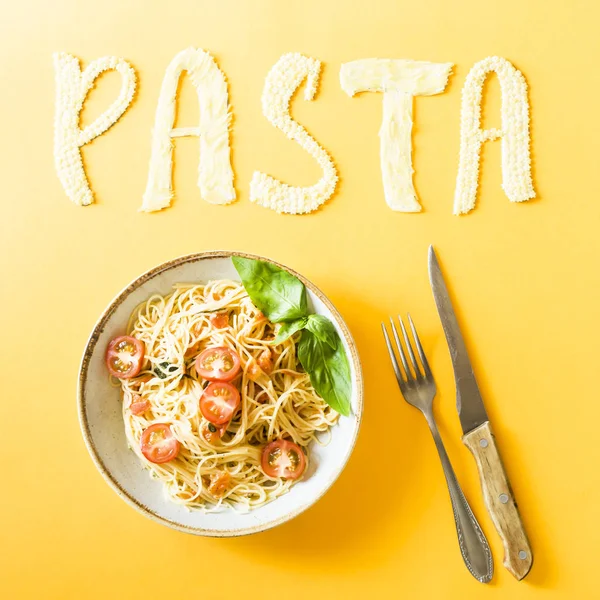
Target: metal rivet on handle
{"x": 503, "y": 498}
{"x": 483, "y": 443}
{"x": 522, "y": 555}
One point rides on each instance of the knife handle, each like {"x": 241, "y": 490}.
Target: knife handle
{"x": 499, "y": 500}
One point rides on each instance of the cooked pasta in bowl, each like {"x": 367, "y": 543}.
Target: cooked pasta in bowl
{"x": 220, "y": 394}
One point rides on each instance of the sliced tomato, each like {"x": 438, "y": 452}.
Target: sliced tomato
{"x": 255, "y": 373}
{"x": 219, "y": 482}
{"x": 265, "y": 360}
{"x": 138, "y": 406}
{"x": 218, "y": 364}
{"x": 282, "y": 458}
{"x": 211, "y": 433}
{"x": 220, "y": 320}
{"x": 125, "y": 356}
{"x": 159, "y": 445}
{"x": 219, "y": 402}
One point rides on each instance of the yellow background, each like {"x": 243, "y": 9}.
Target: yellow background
{"x": 525, "y": 276}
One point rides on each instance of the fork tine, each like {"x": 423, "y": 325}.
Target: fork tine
{"x": 395, "y": 364}
{"x": 409, "y": 347}
{"x": 401, "y": 350}
{"x": 419, "y": 348}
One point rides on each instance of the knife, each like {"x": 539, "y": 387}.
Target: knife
{"x": 478, "y": 437}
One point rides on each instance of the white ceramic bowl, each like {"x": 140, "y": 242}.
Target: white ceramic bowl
{"x": 102, "y": 424}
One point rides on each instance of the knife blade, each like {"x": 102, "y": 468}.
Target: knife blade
{"x": 469, "y": 403}
{"x": 478, "y": 435}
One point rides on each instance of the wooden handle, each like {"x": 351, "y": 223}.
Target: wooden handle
{"x": 499, "y": 500}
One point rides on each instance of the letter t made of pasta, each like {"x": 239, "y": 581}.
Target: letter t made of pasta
{"x": 399, "y": 80}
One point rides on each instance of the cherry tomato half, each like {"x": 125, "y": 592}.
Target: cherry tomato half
{"x": 218, "y": 364}
{"x": 219, "y": 402}
{"x": 125, "y": 356}
{"x": 282, "y": 458}
{"x": 159, "y": 445}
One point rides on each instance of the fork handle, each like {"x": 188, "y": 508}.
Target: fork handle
{"x": 499, "y": 500}
{"x": 474, "y": 547}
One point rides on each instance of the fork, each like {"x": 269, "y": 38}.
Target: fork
{"x": 418, "y": 388}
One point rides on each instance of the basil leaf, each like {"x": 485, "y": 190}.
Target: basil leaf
{"x": 323, "y": 328}
{"x": 279, "y": 295}
{"x": 328, "y": 370}
{"x": 164, "y": 369}
{"x": 288, "y": 329}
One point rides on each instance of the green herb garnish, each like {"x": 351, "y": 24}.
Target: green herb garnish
{"x": 277, "y": 294}
{"x": 282, "y": 299}
{"x": 164, "y": 369}
{"x": 328, "y": 370}
{"x": 288, "y": 329}
{"x": 323, "y": 329}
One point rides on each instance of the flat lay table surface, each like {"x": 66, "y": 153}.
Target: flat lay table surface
{"x": 524, "y": 278}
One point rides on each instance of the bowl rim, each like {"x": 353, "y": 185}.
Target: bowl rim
{"x": 91, "y": 345}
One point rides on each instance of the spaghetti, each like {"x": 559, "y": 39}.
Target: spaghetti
{"x": 211, "y": 471}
